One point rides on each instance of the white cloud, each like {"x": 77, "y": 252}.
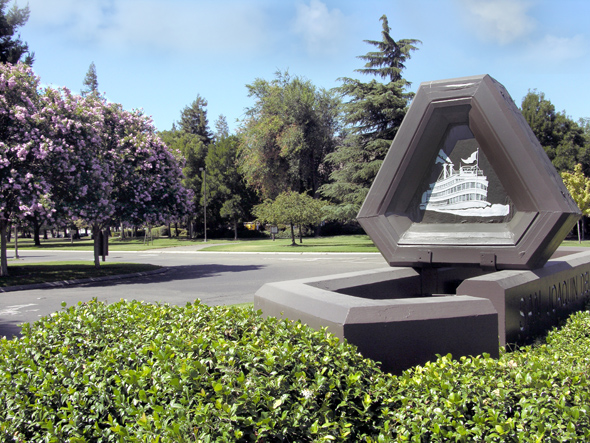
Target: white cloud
{"x": 179, "y": 26}
{"x": 322, "y": 30}
{"x": 553, "y": 49}
{"x": 501, "y": 21}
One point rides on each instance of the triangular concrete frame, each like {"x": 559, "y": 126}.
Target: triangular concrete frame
{"x": 544, "y": 212}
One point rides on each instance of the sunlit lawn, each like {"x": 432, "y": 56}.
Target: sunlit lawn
{"x": 26, "y": 274}
{"x": 585, "y": 243}
{"x": 129, "y": 244}
{"x": 342, "y": 243}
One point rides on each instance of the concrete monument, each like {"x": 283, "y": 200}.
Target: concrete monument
{"x": 467, "y": 209}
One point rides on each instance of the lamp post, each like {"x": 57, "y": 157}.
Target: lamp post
{"x": 204, "y": 200}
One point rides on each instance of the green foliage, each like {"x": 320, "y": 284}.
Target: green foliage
{"x": 90, "y": 82}
{"x": 389, "y": 61}
{"x": 229, "y": 196}
{"x": 373, "y": 113}
{"x": 12, "y": 50}
{"x": 138, "y": 372}
{"x": 286, "y": 135}
{"x": 291, "y": 208}
{"x": 538, "y": 394}
{"x": 578, "y": 186}
{"x": 565, "y": 141}
{"x": 135, "y": 372}
{"x": 193, "y": 120}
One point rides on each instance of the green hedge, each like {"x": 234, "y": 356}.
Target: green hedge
{"x": 137, "y": 372}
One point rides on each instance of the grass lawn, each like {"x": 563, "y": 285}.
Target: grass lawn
{"x": 585, "y": 243}
{"x": 26, "y": 274}
{"x": 130, "y": 244}
{"x": 342, "y": 243}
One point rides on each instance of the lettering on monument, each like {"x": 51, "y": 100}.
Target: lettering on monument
{"x": 535, "y": 310}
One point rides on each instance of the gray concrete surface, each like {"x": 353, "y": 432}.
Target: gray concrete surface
{"x": 215, "y": 278}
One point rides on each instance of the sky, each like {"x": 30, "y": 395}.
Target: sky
{"x": 159, "y": 55}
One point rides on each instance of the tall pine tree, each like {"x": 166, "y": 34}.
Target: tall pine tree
{"x": 193, "y": 120}
{"x": 373, "y": 112}
{"x": 90, "y": 82}
{"x": 13, "y": 50}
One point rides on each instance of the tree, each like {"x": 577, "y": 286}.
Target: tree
{"x": 190, "y": 149}
{"x": 221, "y": 128}
{"x": 147, "y": 178}
{"x": 90, "y": 82}
{"x": 193, "y": 120}
{"x": 229, "y": 196}
{"x": 81, "y": 177}
{"x": 578, "y": 186}
{"x": 287, "y": 135}
{"x": 563, "y": 140}
{"x": 13, "y": 49}
{"x": 373, "y": 113}
{"x": 293, "y": 209}
{"x": 23, "y": 187}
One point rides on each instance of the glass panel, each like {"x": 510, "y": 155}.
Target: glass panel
{"x": 462, "y": 187}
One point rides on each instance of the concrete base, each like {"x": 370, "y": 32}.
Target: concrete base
{"x": 467, "y": 311}
{"x": 531, "y": 302}
{"x": 400, "y": 332}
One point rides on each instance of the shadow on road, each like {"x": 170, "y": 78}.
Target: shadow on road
{"x": 177, "y": 273}
{"x": 9, "y": 329}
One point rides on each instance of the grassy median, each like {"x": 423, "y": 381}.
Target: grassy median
{"x": 27, "y": 274}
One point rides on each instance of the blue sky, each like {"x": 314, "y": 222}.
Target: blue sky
{"x": 158, "y": 55}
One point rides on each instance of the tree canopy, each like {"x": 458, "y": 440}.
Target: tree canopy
{"x": 80, "y": 158}
{"x": 564, "y": 140}
{"x": 12, "y": 48}
{"x": 90, "y": 82}
{"x": 287, "y": 135}
{"x": 292, "y": 209}
{"x": 193, "y": 120}
{"x": 578, "y": 186}
{"x": 373, "y": 113}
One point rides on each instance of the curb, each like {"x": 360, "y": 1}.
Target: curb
{"x": 55, "y": 284}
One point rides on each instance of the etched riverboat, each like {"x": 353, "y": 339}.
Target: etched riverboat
{"x": 462, "y": 191}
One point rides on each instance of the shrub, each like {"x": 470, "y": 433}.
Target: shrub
{"x": 537, "y": 394}
{"x": 138, "y": 372}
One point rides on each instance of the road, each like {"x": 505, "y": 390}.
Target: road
{"x": 214, "y": 278}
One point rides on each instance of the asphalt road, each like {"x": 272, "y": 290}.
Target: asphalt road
{"x": 214, "y": 278}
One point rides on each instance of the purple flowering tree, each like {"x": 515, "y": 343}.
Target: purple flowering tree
{"x": 81, "y": 177}
{"x": 23, "y": 152}
{"x": 114, "y": 165}
{"x": 147, "y": 188}
{"x": 70, "y": 157}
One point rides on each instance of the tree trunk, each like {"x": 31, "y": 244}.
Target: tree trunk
{"x": 16, "y": 242}
{"x": 96, "y": 238}
{"x": 3, "y": 257}
{"x": 292, "y": 235}
{"x": 36, "y": 232}
{"x": 8, "y": 233}
{"x": 235, "y": 229}
{"x": 579, "y": 233}
{"x": 176, "y": 229}
{"x": 300, "y": 234}
{"x": 44, "y": 234}
{"x": 169, "y": 230}
{"x": 122, "y": 237}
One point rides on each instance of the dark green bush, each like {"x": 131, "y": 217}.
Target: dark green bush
{"x": 137, "y": 372}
